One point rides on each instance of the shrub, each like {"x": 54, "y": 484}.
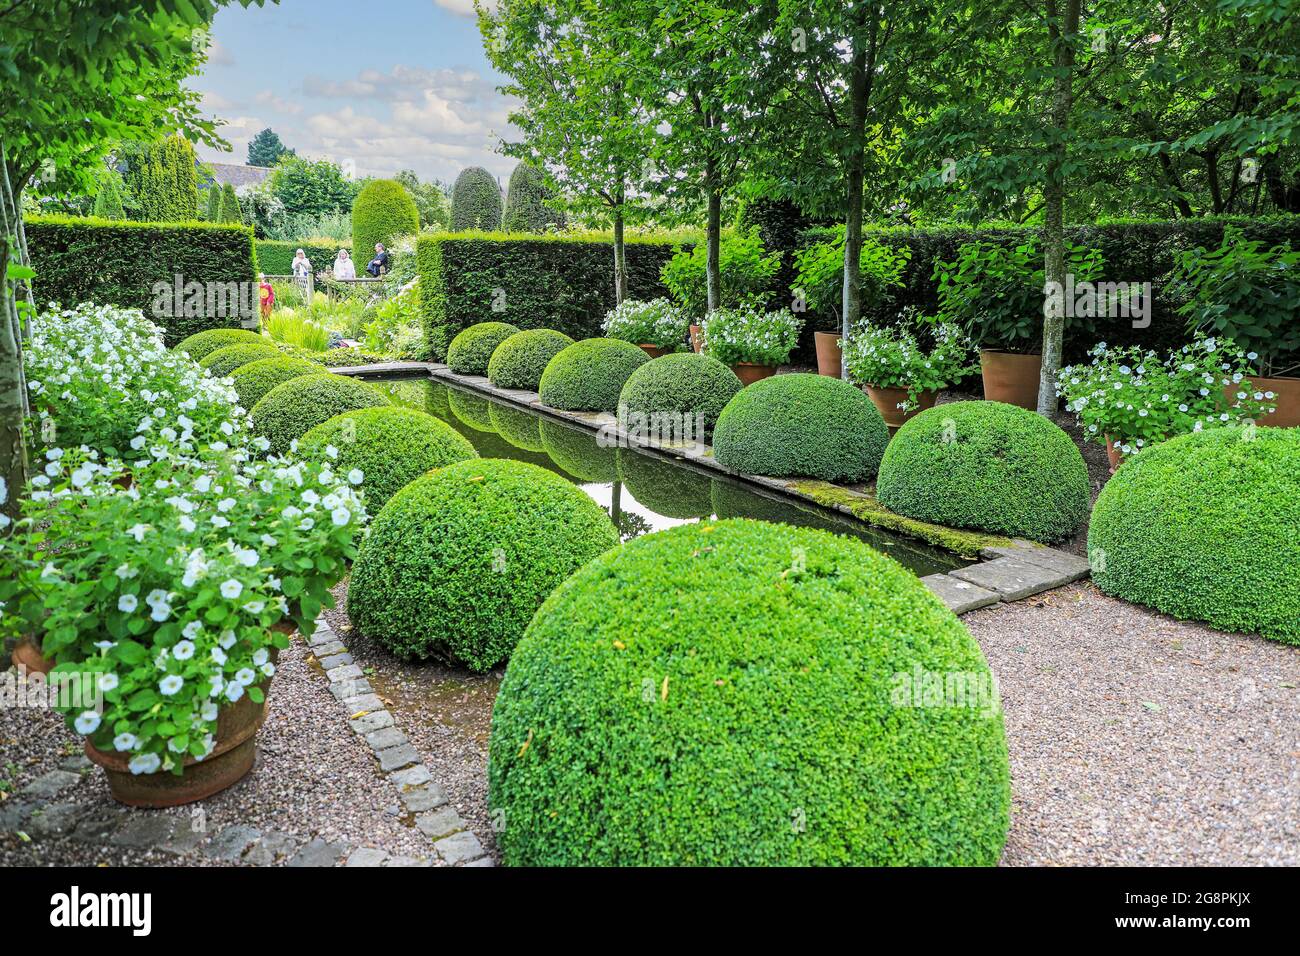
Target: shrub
{"x": 589, "y": 375}
{"x": 891, "y": 357}
{"x": 673, "y": 491}
{"x": 526, "y": 209}
{"x": 475, "y": 200}
{"x": 471, "y": 349}
{"x": 382, "y": 211}
{"x": 801, "y": 426}
{"x": 820, "y": 276}
{"x": 255, "y": 379}
{"x": 747, "y": 273}
{"x": 389, "y": 445}
{"x": 657, "y": 322}
{"x": 293, "y": 408}
{"x": 230, "y": 357}
{"x": 520, "y": 360}
{"x": 519, "y": 429}
{"x": 684, "y": 384}
{"x": 458, "y": 561}
{"x": 1204, "y": 527}
{"x": 747, "y": 335}
{"x": 989, "y": 466}
{"x": 202, "y": 344}
{"x": 472, "y": 410}
{"x": 681, "y": 697}
{"x": 578, "y": 452}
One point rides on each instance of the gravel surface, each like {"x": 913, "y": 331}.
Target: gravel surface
{"x": 314, "y": 777}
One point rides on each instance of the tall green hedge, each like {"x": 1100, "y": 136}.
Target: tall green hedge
{"x": 564, "y": 283}
{"x": 275, "y": 257}
{"x": 382, "y": 211}
{"x": 118, "y": 263}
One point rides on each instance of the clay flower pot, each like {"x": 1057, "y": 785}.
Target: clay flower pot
{"x": 1114, "y": 454}
{"x": 749, "y": 372}
{"x": 829, "y": 353}
{"x": 1011, "y": 378}
{"x": 697, "y": 338}
{"x": 1287, "y": 391}
{"x": 653, "y": 351}
{"x": 27, "y": 653}
{"x": 887, "y": 401}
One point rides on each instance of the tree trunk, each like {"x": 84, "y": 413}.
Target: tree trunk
{"x": 13, "y": 386}
{"x": 712, "y": 269}
{"x": 851, "y": 300}
{"x": 620, "y": 257}
{"x": 1062, "y": 31}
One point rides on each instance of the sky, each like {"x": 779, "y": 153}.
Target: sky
{"x": 373, "y": 86}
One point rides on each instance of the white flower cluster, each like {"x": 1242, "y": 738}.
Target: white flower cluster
{"x": 747, "y": 334}
{"x": 891, "y": 357}
{"x": 657, "y": 322}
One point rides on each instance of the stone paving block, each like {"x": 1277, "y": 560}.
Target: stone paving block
{"x": 145, "y": 830}
{"x": 50, "y": 785}
{"x": 346, "y": 672}
{"x": 1011, "y": 578}
{"x": 482, "y": 861}
{"x": 406, "y": 861}
{"x": 75, "y": 764}
{"x": 366, "y": 856}
{"x": 459, "y": 848}
{"x": 335, "y": 661}
{"x": 323, "y": 636}
{"x": 55, "y": 820}
{"x": 96, "y": 826}
{"x": 184, "y": 837}
{"x": 318, "y": 853}
{"x": 395, "y": 758}
{"x": 366, "y": 702}
{"x": 1042, "y": 556}
{"x": 14, "y": 814}
{"x": 345, "y": 689}
{"x": 960, "y": 596}
{"x": 370, "y": 722}
{"x": 272, "y": 848}
{"x": 411, "y": 777}
{"x": 231, "y": 842}
{"x": 385, "y": 738}
{"x": 428, "y": 797}
{"x": 327, "y": 649}
{"x": 439, "y": 823}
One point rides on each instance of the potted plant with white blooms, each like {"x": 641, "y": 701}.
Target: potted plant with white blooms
{"x": 658, "y": 326}
{"x": 900, "y": 376}
{"x": 751, "y": 341}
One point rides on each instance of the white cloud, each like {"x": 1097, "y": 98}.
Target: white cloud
{"x": 279, "y": 103}
{"x": 218, "y": 55}
{"x": 463, "y": 7}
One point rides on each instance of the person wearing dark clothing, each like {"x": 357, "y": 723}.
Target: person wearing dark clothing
{"x": 379, "y": 264}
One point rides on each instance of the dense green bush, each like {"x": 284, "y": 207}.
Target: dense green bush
{"x": 382, "y": 212}
{"x": 475, "y": 200}
{"x": 520, "y": 360}
{"x": 472, "y": 410}
{"x": 1204, "y": 526}
{"x": 135, "y": 264}
{"x": 471, "y": 349}
{"x": 989, "y": 466}
{"x": 683, "y": 384}
{"x": 293, "y": 408}
{"x": 520, "y": 429}
{"x": 674, "y": 491}
{"x": 390, "y": 445}
{"x": 255, "y": 379}
{"x": 202, "y": 344}
{"x": 747, "y": 273}
{"x": 589, "y": 375}
{"x": 699, "y": 697}
{"x": 801, "y": 426}
{"x": 458, "y": 561}
{"x": 526, "y": 209}
{"x": 577, "y": 452}
{"x": 226, "y": 359}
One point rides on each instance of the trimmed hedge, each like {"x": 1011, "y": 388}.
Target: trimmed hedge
{"x": 391, "y": 445}
{"x": 589, "y": 375}
{"x": 202, "y": 344}
{"x": 520, "y": 360}
{"x": 684, "y": 384}
{"x": 275, "y": 257}
{"x": 801, "y": 426}
{"x": 458, "y": 561}
{"x": 690, "y": 699}
{"x": 255, "y": 379}
{"x": 670, "y": 490}
{"x": 560, "y": 282}
{"x": 293, "y": 408}
{"x": 120, "y": 263}
{"x": 227, "y": 359}
{"x": 519, "y": 429}
{"x": 1204, "y": 526}
{"x": 475, "y": 200}
{"x": 472, "y": 348}
{"x": 382, "y": 211}
{"x": 989, "y": 466}
{"x": 577, "y": 452}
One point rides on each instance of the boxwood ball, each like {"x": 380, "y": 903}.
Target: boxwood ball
{"x": 293, "y": 408}
{"x": 682, "y": 386}
{"x": 520, "y": 360}
{"x": 255, "y": 379}
{"x": 472, "y": 347}
{"x": 589, "y": 375}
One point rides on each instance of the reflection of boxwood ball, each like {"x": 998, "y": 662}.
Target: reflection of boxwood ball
{"x": 293, "y": 408}
{"x": 588, "y": 375}
{"x": 698, "y": 698}
{"x": 517, "y": 427}
{"x": 472, "y": 348}
{"x": 471, "y": 410}
{"x": 578, "y": 453}
{"x": 666, "y": 489}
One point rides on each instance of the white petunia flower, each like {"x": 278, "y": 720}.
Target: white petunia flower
{"x": 231, "y": 589}
{"x": 127, "y": 603}
{"x": 124, "y": 742}
{"x": 144, "y": 764}
{"x": 170, "y": 684}
{"x": 87, "y": 723}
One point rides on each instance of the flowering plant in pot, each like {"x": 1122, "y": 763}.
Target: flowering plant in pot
{"x": 1131, "y": 399}
{"x": 657, "y": 326}
{"x": 901, "y": 377}
{"x": 752, "y": 342}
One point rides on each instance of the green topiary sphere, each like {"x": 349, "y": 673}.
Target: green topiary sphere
{"x": 255, "y": 379}
{"x": 382, "y": 212}
{"x": 684, "y": 386}
{"x": 1205, "y": 526}
{"x": 518, "y": 428}
{"x": 472, "y": 348}
{"x": 801, "y": 426}
{"x": 698, "y": 697}
{"x": 225, "y": 360}
{"x": 589, "y": 375}
{"x": 200, "y": 344}
{"x": 578, "y": 453}
{"x": 989, "y": 466}
{"x": 293, "y": 408}
{"x": 666, "y": 489}
{"x": 472, "y": 410}
{"x": 390, "y": 445}
{"x": 458, "y": 561}
{"x": 520, "y": 360}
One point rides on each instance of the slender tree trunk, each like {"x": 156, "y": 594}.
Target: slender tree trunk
{"x": 851, "y": 300}
{"x": 1062, "y": 30}
{"x": 13, "y": 385}
{"x": 620, "y": 254}
{"x": 713, "y": 238}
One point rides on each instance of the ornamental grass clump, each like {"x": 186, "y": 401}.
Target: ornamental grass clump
{"x": 657, "y": 322}
{"x": 656, "y": 683}
{"x": 520, "y": 360}
{"x": 589, "y": 375}
{"x": 749, "y": 335}
{"x": 293, "y": 408}
{"x": 472, "y": 348}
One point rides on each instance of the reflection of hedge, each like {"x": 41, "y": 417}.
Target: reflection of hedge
{"x": 520, "y": 429}
{"x": 577, "y": 452}
{"x": 666, "y": 489}
{"x": 471, "y": 410}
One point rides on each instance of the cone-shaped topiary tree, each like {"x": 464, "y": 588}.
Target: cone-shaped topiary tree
{"x": 475, "y": 201}
{"x": 526, "y": 209}
{"x": 108, "y": 201}
{"x": 382, "y": 211}
{"x": 230, "y": 211}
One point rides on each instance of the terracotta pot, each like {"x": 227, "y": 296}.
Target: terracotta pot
{"x": 749, "y": 373}
{"x": 697, "y": 338}
{"x": 1114, "y": 454}
{"x": 829, "y": 353}
{"x": 887, "y": 401}
{"x": 1288, "y": 400}
{"x": 653, "y": 351}
{"x": 1011, "y": 378}
{"x": 27, "y": 653}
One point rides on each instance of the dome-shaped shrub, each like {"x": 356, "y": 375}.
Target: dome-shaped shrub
{"x": 472, "y": 410}
{"x": 699, "y": 697}
{"x": 578, "y": 452}
{"x": 1207, "y": 526}
{"x": 520, "y": 360}
{"x": 989, "y": 466}
{"x": 518, "y": 428}
{"x": 228, "y": 358}
{"x": 392, "y": 446}
{"x": 472, "y": 348}
{"x": 683, "y": 385}
{"x": 475, "y": 201}
{"x": 801, "y": 426}
{"x": 293, "y": 408}
{"x": 458, "y": 561}
{"x": 666, "y": 489}
{"x": 589, "y": 375}
{"x": 198, "y": 345}
{"x": 382, "y": 212}
{"x": 255, "y": 379}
